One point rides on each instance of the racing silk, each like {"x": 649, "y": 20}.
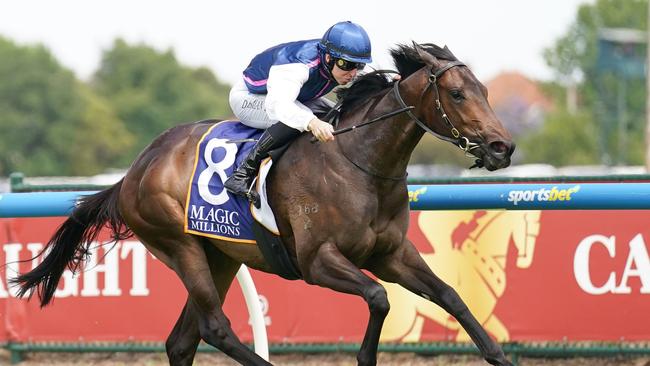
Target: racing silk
{"x": 288, "y": 73}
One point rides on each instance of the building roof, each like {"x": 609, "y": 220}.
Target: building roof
{"x": 513, "y": 86}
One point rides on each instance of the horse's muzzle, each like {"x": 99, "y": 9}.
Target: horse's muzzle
{"x": 496, "y": 154}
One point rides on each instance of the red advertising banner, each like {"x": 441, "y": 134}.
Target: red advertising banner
{"x": 526, "y": 276}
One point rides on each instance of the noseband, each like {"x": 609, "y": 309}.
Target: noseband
{"x": 458, "y": 139}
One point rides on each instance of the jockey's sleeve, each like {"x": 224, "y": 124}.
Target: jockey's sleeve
{"x": 283, "y": 87}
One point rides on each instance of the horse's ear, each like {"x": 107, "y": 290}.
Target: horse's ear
{"x": 448, "y": 50}
{"x": 425, "y": 56}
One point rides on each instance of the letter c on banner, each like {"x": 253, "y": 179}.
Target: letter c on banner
{"x": 581, "y": 264}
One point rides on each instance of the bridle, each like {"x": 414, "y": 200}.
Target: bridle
{"x": 457, "y": 138}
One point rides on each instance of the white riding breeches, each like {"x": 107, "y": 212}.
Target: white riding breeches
{"x": 250, "y": 108}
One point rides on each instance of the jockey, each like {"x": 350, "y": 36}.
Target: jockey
{"x": 286, "y": 84}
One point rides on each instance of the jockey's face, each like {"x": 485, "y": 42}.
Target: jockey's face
{"x": 341, "y": 76}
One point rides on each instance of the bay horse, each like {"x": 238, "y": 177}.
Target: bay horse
{"x": 340, "y": 206}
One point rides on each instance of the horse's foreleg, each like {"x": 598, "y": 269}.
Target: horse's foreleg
{"x": 190, "y": 262}
{"x": 328, "y": 268}
{"x": 406, "y": 267}
{"x": 184, "y": 339}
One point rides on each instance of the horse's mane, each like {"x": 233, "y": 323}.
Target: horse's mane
{"x": 406, "y": 60}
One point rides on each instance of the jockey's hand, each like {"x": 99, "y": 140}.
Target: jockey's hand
{"x": 321, "y": 130}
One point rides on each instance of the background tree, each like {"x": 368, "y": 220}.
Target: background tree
{"x": 50, "y": 124}
{"x": 151, "y": 91}
{"x": 574, "y": 59}
{"x": 565, "y": 138}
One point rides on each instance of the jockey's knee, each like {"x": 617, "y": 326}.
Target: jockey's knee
{"x": 282, "y": 132}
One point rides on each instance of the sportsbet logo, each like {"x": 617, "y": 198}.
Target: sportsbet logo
{"x": 542, "y": 195}
{"x": 414, "y": 196}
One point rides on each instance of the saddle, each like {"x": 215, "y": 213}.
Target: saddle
{"x": 212, "y": 211}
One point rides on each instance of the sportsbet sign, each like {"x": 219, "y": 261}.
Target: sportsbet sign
{"x": 542, "y": 195}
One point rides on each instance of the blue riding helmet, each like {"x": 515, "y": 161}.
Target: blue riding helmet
{"x": 348, "y": 41}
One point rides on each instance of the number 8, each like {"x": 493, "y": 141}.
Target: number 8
{"x": 216, "y": 167}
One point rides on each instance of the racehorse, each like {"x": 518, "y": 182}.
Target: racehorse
{"x": 340, "y": 206}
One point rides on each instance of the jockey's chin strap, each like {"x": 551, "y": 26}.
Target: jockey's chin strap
{"x": 458, "y": 139}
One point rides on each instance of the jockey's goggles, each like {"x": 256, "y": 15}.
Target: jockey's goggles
{"x": 349, "y": 65}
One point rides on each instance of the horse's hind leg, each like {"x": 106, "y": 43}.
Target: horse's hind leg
{"x": 406, "y": 267}
{"x": 186, "y": 256}
{"x": 184, "y": 339}
{"x": 329, "y": 268}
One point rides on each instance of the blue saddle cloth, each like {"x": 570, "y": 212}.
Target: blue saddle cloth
{"x": 210, "y": 209}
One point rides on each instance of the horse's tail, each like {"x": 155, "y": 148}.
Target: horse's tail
{"x": 69, "y": 247}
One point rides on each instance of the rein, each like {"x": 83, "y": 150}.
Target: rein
{"x": 404, "y": 108}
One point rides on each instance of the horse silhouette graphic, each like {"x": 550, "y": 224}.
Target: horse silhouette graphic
{"x": 470, "y": 249}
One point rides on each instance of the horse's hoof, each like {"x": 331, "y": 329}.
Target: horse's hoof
{"x": 361, "y": 361}
{"x": 498, "y": 359}
{"x": 501, "y": 361}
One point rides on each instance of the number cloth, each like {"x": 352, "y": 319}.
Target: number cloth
{"x": 210, "y": 209}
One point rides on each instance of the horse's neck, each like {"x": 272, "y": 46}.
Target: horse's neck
{"x": 383, "y": 147}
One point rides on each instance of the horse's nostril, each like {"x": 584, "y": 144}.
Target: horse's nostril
{"x": 499, "y": 147}
{"x": 502, "y": 149}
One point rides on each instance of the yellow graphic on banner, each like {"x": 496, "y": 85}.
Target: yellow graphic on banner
{"x": 470, "y": 249}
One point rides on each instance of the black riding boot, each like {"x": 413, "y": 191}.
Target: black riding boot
{"x": 240, "y": 181}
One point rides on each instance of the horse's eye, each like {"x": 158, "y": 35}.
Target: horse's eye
{"x": 457, "y": 94}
